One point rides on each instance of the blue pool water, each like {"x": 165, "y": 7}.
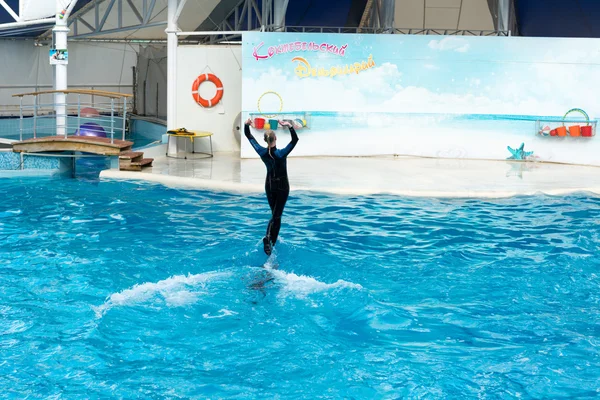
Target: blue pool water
{"x": 138, "y": 291}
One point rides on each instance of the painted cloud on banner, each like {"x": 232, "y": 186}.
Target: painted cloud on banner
{"x": 381, "y": 90}
{"x": 450, "y": 43}
{"x": 475, "y": 75}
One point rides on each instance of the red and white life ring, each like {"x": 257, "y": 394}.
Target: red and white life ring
{"x": 199, "y": 99}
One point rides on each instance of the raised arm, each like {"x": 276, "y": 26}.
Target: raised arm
{"x": 287, "y": 149}
{"x": 257, "y": 147}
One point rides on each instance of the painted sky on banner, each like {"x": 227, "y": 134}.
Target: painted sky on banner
{"x": 422, "y": 74}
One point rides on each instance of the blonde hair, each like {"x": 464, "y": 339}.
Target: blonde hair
{"x": 269, "y": 137}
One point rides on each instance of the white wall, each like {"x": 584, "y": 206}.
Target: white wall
{"x": 103, "y": 66}
{"x": 225, "y": 63}
{"x": 151, "y": 93}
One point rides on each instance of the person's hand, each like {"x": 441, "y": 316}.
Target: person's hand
{"x": 285, "y": 123}
{"x": 249, "y": 121}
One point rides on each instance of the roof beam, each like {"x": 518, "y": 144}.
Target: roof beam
{"x": 93, "y": 9}
{"x": 120, "y": 14}
{"x": 149, "y": 11}
{"x": 27, "y": 23}
{"x": 238, "y": 26}
{"x": 228, "y": 25}
{"x": 255, "y": 6}
{"x": 179, "y": 9}
{"x": 10, "y": 10}
{"x": 236, "y": 16}
{"x": 280, "y": 11}
{"x": 83, "y": 21}
{"x": 22, "y": 29}
{"x": 108, "y": 10}
{"x": 70, "y": 8}
{"x": 97, "y": 15}
{"x": 117, "y": 30}
{"x": 72, "y": 19}
{"x": 266, "y": 7}
{"x": 366, "y": 14}
{"x": 135, "y": 11}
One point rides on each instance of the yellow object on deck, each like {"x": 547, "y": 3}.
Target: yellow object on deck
{"x": 190, "y": 135}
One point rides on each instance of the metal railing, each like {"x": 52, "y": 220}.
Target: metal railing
{"x": 81, "y": 116}
{"x": 12, "y": 109}
{"x": 217, "y": 36}
{"x": 401, "y": 31}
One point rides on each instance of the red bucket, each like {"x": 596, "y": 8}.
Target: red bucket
{"x": 586, "y": 131}
{"x": 259, "y": 123}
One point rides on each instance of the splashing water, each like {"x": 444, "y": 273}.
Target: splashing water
{"x": 175, "y": 291}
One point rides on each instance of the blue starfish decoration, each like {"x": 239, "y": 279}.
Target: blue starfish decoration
{"x": 519, "y": 154}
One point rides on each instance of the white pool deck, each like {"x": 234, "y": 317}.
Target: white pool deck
{"x": 404, "y": 176}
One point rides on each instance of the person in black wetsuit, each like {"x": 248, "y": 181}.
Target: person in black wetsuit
{"x": 277, "y": 186}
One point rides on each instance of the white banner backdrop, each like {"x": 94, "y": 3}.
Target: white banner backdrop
{"x": 433, "y": 96}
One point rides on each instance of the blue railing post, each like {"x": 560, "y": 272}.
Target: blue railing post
{"x": 112, "y": 119}
{"x": 124, "y": 115}
{"x": 21, "y": 118}
{"x": 79, "y": 112}
{"x": 35, "y": 99}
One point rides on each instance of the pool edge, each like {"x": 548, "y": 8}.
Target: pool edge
{"x": 238, "y": 187}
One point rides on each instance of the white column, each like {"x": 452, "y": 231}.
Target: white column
{"x": 61, "y": 31}
{"x": 171, "y": 64}
{"x": 279, "y": 10}
{"x": 503, "y": 15}
{"x": 388, "y": 11}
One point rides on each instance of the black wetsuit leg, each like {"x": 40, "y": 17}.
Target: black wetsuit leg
{"x": 270, "y": 198}
{"x": 277, "y": 195}
{"x": 280, "y": 198}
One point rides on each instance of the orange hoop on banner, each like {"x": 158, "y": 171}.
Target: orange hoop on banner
{"x": 199, "y": 99}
